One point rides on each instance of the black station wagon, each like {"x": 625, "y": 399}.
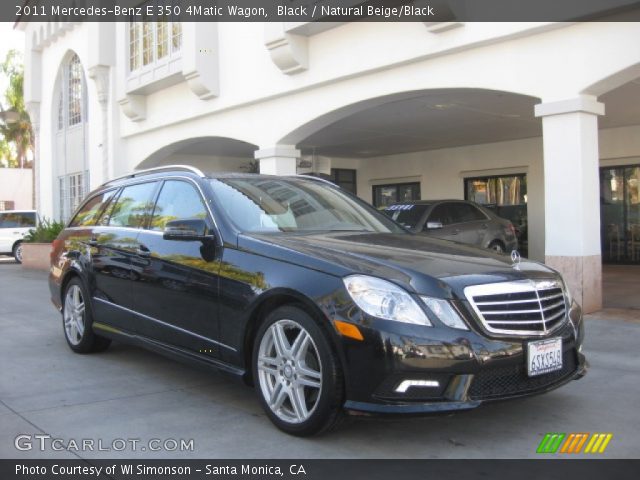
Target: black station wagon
{"x": 308, "y": 293}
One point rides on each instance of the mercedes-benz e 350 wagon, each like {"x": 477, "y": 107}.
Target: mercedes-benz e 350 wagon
{"x": 321, "y": 302}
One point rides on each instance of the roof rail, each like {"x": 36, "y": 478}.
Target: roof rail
{"x": 149, "y": 171}
{"x": 317, "y": 179}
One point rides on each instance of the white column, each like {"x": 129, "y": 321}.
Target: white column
{"x": 278, "y": 160}
{"x": 571, "y": 195}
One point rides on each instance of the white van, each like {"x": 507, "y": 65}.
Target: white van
{"x": 14, "y": 225}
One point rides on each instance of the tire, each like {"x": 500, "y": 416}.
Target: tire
{"x": 497, "y": 246}
{"x": 298, "y": 409}
{"x": 77, "y": 320}
{"x": 17, "y": 252}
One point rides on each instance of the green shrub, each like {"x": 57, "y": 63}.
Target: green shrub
{"x": 46, "y": 231}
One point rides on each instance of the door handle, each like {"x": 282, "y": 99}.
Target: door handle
{"x": 484, "y": 226}
{"x": 143, "y": 251}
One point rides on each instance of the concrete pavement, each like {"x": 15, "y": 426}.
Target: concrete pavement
{"x": 129, "y": 393}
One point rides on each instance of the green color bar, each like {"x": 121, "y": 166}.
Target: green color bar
{"x": 550, "y": 443}
{"x": 558, "y": 442}
{"x": 543, "y": 443}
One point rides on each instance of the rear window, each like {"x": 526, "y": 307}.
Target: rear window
{"x": 407, "y": 215}
{"x": 18, "y": 220}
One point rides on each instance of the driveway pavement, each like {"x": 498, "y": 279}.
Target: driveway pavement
{"x": 129, "y": 393}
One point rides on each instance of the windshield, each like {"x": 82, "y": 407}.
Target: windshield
{"x": 267, "y": 204}
{"x": 407, "y": 215}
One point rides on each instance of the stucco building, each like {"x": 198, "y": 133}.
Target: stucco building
{"x": 540, "y": 120}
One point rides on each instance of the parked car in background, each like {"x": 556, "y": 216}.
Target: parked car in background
{"x": 458, "y": 220}
{"x": 309, "y": 294}
{"x": 14, "y": 226}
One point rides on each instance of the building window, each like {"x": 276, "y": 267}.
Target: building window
{"x": 506, "y": 195}
{"x": 384, "y": 195}
{"x": 75, "y": 86}
{"x": 73, "y": 189}
{"x": 152, "y": 42}
{"x": 344, "y": 178}
{"x": 7, "y": 205}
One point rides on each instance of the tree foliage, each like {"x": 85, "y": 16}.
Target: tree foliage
{"x": 16, "y": 139}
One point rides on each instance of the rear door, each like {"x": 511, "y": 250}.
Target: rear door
{"x": 178, "y": 296}
{"x": 118, "y": 270}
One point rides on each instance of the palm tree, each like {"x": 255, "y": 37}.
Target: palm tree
{"x": 17, "y": 136}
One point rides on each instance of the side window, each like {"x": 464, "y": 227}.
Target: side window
{"x": 28, "y": 219}
{"x": 132, "y": 206}
{"x": 441, "y": 213}
{"x": 90, "y": 211}
{"x": 463, "y": 212}
{"x": 178, "y": 200}
{"x": 10, "y": 220}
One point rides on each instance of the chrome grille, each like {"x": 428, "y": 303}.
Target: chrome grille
{"x": 528, "y": 307}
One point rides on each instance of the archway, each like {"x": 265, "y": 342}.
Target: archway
{"x": 209, "y": 154}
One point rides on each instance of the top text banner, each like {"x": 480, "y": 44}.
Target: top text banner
{"x": 305, "y": 11}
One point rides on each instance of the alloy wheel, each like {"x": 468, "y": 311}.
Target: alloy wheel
{"x": 18, "y": 253}
{"x": 74, "y": 315}
{"x": 289, "y": 371}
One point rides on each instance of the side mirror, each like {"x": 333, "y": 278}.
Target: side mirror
{"x": 186, "y": 230}
{"x": 433, "y": 225}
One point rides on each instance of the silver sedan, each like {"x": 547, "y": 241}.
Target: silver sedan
{"x": 457, "y": 220}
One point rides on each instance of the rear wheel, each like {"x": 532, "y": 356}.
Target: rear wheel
{"x": 497, "y": 246}
{"x": 17, "y": 252}
{"x": 77, "y": 321}
{"x": 299, "y": 379}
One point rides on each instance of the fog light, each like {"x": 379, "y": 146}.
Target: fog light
{"x": 407, "y": 384}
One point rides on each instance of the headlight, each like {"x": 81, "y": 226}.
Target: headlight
{"x": 383, "y": 299}
{"x": 445, "y": 312}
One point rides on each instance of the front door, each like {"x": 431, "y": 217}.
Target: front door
{"x": 177, "y": 298}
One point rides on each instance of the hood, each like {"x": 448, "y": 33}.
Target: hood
{"x": 423, "y": 264}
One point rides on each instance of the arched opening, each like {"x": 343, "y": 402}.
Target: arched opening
{"x": 209, "y": 154}
{"x": 620, "y": 189}
{"x": 69, "y": 122}
{"x": 476, "y": 144}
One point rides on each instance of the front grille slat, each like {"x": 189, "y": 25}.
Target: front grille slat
{"x": 520, "y": 307}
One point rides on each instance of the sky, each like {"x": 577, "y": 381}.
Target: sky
{"x": 9, "y": 39}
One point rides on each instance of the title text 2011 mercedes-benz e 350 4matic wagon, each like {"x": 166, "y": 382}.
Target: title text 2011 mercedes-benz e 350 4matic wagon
{"x": 324, "y": 304}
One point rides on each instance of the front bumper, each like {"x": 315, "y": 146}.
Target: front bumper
{"x": 468, "y": 367}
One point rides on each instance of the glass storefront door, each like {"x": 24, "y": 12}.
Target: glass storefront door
{"x": 620, "y": 214}
{"x": 506, "y": 195}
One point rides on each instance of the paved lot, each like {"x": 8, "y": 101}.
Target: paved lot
{"x": 130, "y": 393}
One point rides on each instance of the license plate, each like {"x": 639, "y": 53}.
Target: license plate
{"x": 544, "y": 356}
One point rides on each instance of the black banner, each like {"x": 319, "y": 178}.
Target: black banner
{"x": 303, "y": 11}
{"x": 579, "y": 469}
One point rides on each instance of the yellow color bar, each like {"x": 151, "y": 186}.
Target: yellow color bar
{"x": 607, "y": 439}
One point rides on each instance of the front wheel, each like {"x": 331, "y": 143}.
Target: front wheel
{"x": 299, "y": 379}
{"x": 77, "y": 321}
